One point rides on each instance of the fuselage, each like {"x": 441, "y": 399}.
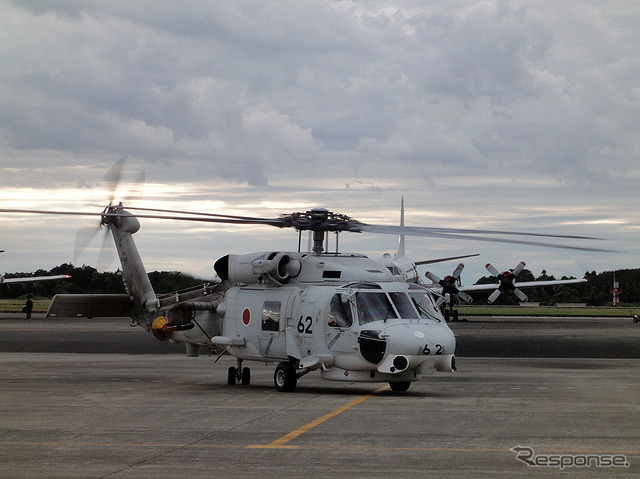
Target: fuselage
{"x": 348, "y": 315}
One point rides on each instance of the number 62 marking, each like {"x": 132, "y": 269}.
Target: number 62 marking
{"x": 427, "y": 350}
{"x": 304, "y": 325}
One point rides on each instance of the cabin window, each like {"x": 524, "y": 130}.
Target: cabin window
{"x": 403, "y": 305}
{"x": 373, "y": 307}
{"x": 340, "y": 313}
{"x": 271, "y": 316}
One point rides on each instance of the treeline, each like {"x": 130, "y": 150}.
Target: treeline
{"x": 85, "y": 279}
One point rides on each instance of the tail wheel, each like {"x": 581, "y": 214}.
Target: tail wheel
{"x": 285, "y": 377}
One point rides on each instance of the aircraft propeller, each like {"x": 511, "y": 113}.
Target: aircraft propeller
{"x": 450, "y": 284}
{"x": 507, "y": 283}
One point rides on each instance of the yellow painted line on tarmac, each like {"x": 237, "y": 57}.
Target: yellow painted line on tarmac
{"x": 280, "y": 443}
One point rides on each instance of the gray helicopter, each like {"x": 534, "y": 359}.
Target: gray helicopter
{"x": 352, "y": 318}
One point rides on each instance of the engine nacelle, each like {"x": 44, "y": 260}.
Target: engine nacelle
{"x": 258, "y": 267}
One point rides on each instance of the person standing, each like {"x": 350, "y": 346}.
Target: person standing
{"x": 28, "y": 307}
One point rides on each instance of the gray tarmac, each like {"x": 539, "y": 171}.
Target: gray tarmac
{"x": 74, "y": 406}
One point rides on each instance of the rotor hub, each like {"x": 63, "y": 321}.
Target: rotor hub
{"x": 321, "y": 220}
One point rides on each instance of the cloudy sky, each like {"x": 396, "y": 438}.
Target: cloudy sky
{"x": 510, "y": 115}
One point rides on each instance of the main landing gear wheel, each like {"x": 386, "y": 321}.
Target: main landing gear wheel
{"x": 246, "y": 376}
{"x": 400, "y": 386}
{"x": 285, "y": 377}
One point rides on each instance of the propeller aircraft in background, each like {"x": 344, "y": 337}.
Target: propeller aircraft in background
{"x": 450, "y": 287}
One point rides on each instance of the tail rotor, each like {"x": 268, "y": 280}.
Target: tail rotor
{"x": 87, "y": 235}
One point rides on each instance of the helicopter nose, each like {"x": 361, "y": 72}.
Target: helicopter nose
{"x": 410, "y": 345}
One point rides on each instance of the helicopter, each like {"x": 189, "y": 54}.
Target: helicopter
{"x": 346, "y": 315}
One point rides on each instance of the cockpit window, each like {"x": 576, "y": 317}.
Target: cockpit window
{"x": 425, "y": 306}
{"x": 373, "y": 307}
{"x": 403, "y": 305}
{"x": 340, "y": 313}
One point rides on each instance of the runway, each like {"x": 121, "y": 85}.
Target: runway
{"x": 523, "y": 337}
{"x": 97, "y": 414}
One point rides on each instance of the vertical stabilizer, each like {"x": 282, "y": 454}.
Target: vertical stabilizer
{"x": 401, "y": 253}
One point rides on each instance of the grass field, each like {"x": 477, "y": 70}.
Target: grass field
{"x": 41, "y": 305}
{"x": 16, "y": 305}
{"x": 606, "y": 311}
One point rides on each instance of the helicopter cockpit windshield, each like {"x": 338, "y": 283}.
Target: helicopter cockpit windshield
{"x": 373, "y": 306}
{"x": 377, "y": 305}
{"x": 425, "y": 305}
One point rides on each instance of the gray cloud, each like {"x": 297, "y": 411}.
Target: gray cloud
{"x": 456, "y": 104}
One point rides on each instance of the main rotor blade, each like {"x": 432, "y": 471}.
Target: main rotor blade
{"x": 50, "y": 212}
{"x": 451, "y": 233}
{"x": 428, "y": 231}
{"x": 212, "y": 215}
{"x": 459, "y": 234}
{"x": 340, "y": 224}
{"x": 238, "y": 221}
{"x": 222, "y": 219}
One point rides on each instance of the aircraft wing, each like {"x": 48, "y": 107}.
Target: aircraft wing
{"x": 90, "y": 306}
{"x": 437, "y": 289}
{"x": 32, "y": 279}
{"x": 442, "y": 260}
{"x": 526, "y": 284}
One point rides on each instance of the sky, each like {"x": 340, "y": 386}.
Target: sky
{"x": 506, "y": 115}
